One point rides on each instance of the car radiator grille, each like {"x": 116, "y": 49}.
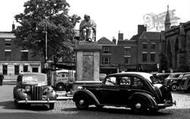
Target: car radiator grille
{"x": 36, "y": 93}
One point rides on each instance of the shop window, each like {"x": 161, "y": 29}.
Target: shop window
{"x": 35, "y": 69}
{"x": 4, "y": 69}
{"x": 17, "y": 69}
{"x": 25, "y": 68}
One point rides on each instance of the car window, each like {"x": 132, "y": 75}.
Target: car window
{"x": 126, "y": 81}
{"x": 137, "y": 83}
{"x": 111, "y": 81}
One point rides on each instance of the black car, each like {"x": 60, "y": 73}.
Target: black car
{"x": 135, "y": 90}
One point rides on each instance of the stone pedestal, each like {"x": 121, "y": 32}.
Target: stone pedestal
{"x": 87, "y": 63}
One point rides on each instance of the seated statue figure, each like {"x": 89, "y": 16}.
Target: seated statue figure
{"x": 87, "y": 29}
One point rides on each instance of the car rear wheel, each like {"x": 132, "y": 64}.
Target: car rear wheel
{"x": 82, "y": 102}
{"x": 174, "y": 87}
{"x": 51, "y": 106}
{"x": 140, "y": 105}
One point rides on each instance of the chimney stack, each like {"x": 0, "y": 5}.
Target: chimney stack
{"x": 141, "y": 29}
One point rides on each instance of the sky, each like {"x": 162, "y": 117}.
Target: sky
{"x": 111, "y": 16}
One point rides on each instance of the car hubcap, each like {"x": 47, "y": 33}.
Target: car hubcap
{"x": 174, "y": 87}
{"x": 138, "y": 105}
{"x": 81, "y": 102}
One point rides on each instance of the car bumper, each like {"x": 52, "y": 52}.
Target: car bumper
{"x": 167, "y": 104}
{"x": 36, "y": 101}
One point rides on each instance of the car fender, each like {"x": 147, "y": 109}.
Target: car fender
{"x": 86, "y": 93}
{"x": 146, "y": 96}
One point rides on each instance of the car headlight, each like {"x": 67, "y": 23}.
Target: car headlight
{"x": 27, "y": 88}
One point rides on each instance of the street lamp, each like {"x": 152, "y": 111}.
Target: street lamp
{"x": 46, "y": 57}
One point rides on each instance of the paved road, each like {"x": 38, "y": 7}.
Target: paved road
{"x": 66, "y": 109}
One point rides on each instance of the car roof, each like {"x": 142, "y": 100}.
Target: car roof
{"x": 143, "y": 74}
{"x": 131, "y": 73}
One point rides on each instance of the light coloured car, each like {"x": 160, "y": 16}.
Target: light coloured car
{"x": 32, "y": 88}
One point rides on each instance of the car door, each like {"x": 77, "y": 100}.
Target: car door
{"x": 125, "y": 89}
{"x": 109, "y": 91}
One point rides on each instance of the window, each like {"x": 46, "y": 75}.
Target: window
{"x": 152, "y": 57}
{"x": 4, "y": 69}
{"x": 24, "y": 55}
{"x": 111, "y": 81}
{"x": 125, "y": 81}
{"x": 144, "y": 57}
{"x": 8, "y": 42}
{"x": 35, "y": 69}
{"x": 127, "y": 51}
{"x": 25, "y": 68}
{"x": 145, "y": 46}
{"x": 153, "y": 46}
{"x": 7, "y": 54}
{"x": 16, "y": 69}
{"x": 106, "y": 60}
{"x": 106, "y": 49}
{"x": 137, "y": 83}
{"x": 126, "y": 60}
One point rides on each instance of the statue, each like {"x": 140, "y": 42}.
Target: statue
{"x": 88, "y": 29}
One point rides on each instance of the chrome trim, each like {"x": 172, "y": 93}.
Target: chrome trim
{"x": 36, "y": 101}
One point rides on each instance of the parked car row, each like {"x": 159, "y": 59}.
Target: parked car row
{"x": 175, "y": 81}
{"x": 136, "y": 90}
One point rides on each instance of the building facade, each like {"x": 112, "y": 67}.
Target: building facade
{"x": 176, "y": 47}
{"x": 14, "y": 59}
{"x": 108, "y": 56}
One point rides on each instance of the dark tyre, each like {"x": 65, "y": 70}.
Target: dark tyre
{"x": 82, "y": 102}
{"x": 51, "y": 106}
{"x": 140, "y": 105}
{"x": 60, "y": 87}
{"x": 174, "y": 87}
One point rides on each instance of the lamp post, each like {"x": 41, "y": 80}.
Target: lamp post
{"x": 46, "y": 57}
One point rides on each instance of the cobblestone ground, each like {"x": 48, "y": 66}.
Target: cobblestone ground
{"x": 182, "y": 100}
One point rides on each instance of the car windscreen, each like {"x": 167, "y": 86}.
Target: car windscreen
{"x": 33, "y": 79}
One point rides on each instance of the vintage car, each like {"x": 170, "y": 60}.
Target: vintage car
{"x": 181, "y": 84}
{"x": 135, "y": 90}
{"x": 174, "y": 79}
{"x": 32, "y": 88}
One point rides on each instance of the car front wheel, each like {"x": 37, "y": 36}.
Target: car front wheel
{"x": 82, "y": 103}
{"x": 174, "y": 87}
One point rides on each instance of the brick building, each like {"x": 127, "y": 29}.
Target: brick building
{"x": 141, "y": 52}
{"x": 14, "y": 59}
{"x": 108, "y": 56}
{"x": 176, "y": 47}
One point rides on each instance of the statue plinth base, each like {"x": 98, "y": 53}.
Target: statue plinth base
{"x": 87, "y": 62}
